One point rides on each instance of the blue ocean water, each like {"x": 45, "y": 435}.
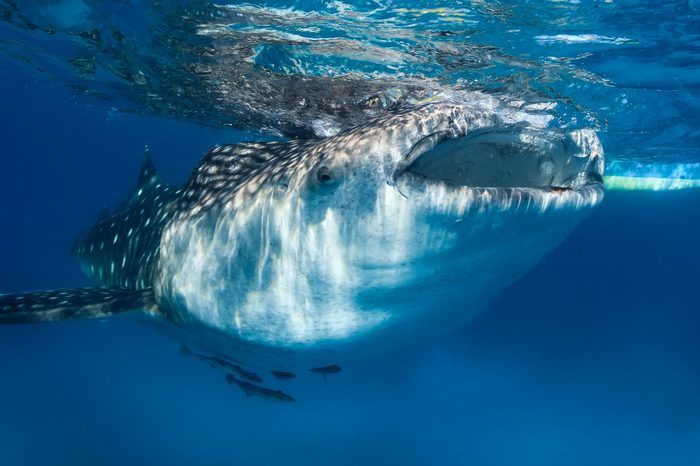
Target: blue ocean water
{"x": 591, "y": 358}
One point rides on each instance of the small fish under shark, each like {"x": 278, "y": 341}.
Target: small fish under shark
{"x": 307, "y": 253}
{"x": 219, "y": 363}
{"x": 326, "y": 370}
{"x": 255, "y": 390}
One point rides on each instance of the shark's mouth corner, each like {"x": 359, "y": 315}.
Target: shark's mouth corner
{"x": 505, "y": 163}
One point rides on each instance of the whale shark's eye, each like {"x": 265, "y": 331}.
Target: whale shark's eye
{"x": 323, "y": 174}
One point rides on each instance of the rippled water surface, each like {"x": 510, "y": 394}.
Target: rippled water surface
{"x": 299, "y": 68}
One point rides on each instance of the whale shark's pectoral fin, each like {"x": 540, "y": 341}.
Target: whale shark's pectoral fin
{"x": 68, "y": 304}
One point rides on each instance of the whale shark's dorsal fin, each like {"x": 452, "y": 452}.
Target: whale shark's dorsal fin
{"x": 69, "y": 304}
{"x": 148, "y": 170}
{"x": 103, "y": 215}
{"x": 147, "y": 177}
{"x": 147, "y": 182}
{"x": 121, "y": 250}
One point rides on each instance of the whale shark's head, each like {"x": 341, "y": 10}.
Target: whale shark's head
{"x": 397, "y": 229}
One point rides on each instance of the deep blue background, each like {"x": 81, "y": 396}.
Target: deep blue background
{"x": 592, "y": 358}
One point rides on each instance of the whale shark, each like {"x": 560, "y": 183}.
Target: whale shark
{"x": 308, "y": 253}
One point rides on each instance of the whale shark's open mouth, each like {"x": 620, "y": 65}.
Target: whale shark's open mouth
{"x": 506, "y": 164}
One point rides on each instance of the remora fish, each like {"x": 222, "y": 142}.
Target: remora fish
{"x": 217, "y": 362}
{"x": 283, "y": 375}
{"x": 325, "y": 370}
{"x": 262, "y": 392}
{"x": 307, "y": 253}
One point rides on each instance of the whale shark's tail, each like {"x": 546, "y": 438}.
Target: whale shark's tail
{"x": 68, "y": 304}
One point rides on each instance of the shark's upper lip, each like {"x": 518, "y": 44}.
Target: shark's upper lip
{"x": 507, "y": 162}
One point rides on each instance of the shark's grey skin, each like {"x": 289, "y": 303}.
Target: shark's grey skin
{"x": 308, "y": 253}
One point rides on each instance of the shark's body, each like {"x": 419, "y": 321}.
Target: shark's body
{"x": 305, "y": 253}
